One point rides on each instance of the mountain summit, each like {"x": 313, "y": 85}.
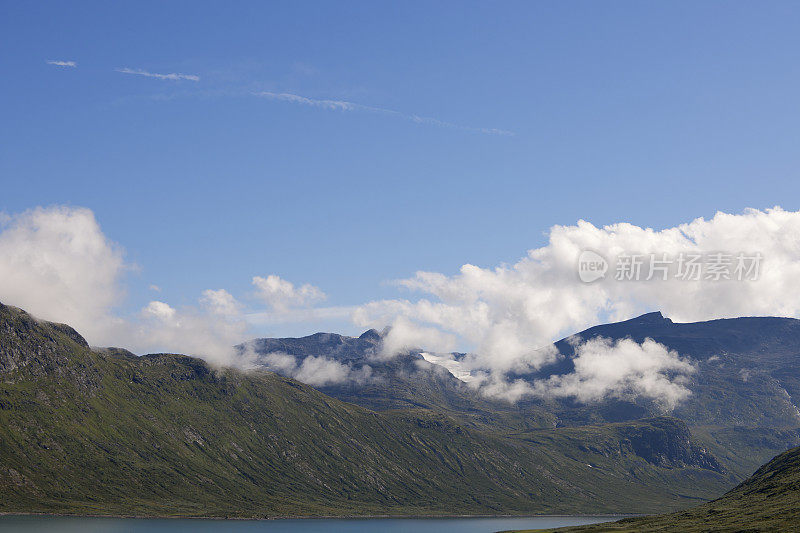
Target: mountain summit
{"x": 746, "y": 369}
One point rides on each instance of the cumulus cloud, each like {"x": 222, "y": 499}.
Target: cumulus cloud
{"x": 282, "y": 295}
{"x": 623, "y": 369}
{"x": 220, "y": 302}
{"x": 503, "y": 314}
{"x": 159, "y": 310}
{"x": 316, "y": 371}
{"x": 59, "y": 63}
{"x": 172, "y": 76}
{"x": 57, "y": 264}
{"x": 603, "y": 369}
{"x": 343, "y": 105}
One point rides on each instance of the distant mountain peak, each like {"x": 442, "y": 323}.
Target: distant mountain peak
{"x": 650, "y": 318}
{"x": 323, "y": 336}
{"x": 371, "y": 335}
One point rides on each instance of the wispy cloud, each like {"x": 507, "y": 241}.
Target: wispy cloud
{"x": 62, "y": 63}
{"x": 342, "y": 105}
{"x": 333, "y": 105}
{"x": 172, "y": 76}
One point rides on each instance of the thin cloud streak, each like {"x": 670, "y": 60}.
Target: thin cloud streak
{"x": 57, "y": 63}
{"x": 172, "y": 76}
{"x": 342, "y": 105}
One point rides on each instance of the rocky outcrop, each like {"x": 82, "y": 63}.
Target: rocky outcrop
{"x": 667, "y": 442}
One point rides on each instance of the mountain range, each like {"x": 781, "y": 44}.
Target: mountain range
{"x": 747, "y": 374}
{"x": 102, "y": 431}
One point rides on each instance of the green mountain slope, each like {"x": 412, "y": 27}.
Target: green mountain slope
{"x": 106, "y": 432}
{"x": 767, "y": 501}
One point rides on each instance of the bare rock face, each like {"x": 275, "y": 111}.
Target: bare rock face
{"x": 667, "y": 442}
{"x": 40, "y": 347}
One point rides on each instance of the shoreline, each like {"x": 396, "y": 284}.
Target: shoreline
{"x": 319, "y": 517}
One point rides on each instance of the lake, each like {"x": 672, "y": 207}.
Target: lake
{"x": 308, "y": 525}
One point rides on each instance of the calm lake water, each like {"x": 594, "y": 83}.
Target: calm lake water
{"x": 383, "y": 525}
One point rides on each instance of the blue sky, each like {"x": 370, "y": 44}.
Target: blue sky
{"x": 648, "y": 113}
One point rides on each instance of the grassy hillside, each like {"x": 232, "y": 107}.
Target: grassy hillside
{"x": 106, "y": 432}
{"x": 767, "y": 501}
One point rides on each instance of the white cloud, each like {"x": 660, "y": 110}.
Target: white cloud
{"x": 62, "y": 63}
{"x": 57, "y": 264}
{"x": 220, "y": 302}
{"x": 159, "y": 310}
{"x": 280, "y": 362}
{"x": 191, "y": 331}
{"x": 282, "y": 295}
{"x": 172, "y": 76}
{"x": 342, "y": 105}
{"x": 319, "y": 371}
{"x": 622, "y": 369}
{"x": 333, "y": 105}
{"x": 316, "y": 371}
{"x": 404, "y": 336}
{"x": 503, "y": 314}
